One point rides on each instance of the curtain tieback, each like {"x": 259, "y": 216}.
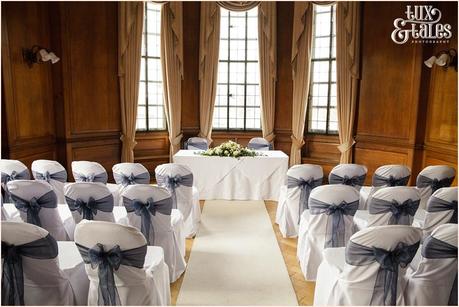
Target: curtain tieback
{"x": 270, "y": 137}
{"x": 298, "y": 143}
{"x": 176, "y": 140}
{"x": 343, "y": 147}
{"x": 128, "y": 141}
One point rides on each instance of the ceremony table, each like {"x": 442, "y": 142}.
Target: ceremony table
{"x": 245, "y": 178}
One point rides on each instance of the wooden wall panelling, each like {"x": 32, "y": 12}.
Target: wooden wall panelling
{"x": 152, "y": 149}
{"x": 27, "y": 92}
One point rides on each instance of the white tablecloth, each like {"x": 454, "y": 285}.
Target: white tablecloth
{"x": 246, "y": 178}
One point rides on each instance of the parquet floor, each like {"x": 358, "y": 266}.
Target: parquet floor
{"x": 304, "y": 290}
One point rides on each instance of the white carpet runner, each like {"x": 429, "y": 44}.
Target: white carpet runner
{"x": 235, "y": 259}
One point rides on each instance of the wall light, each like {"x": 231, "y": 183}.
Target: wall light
{"x": 38, "y": 55}
{"x": 445, "y": 58}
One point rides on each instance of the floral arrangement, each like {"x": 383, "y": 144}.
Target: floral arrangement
{"x": 230, "y": 149}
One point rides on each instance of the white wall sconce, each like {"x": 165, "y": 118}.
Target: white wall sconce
{"x": 445, "y": 58}
{"x": 38, "y": 55}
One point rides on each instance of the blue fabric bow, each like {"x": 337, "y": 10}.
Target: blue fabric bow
{"x": 391, "y": 181}
{"x": 354, "y": 181}
{"x": 437, "y": 204}
{"x": 306, "y": 187}
{"x": 33, "y": 206}
{"x": 171, "y": 183}
{"x": 59, "y": 176}
{"x": 125, "y": 180}
{"x": 402, "y": 213}
{"x": 102, "y": 177}
{"x": 89, "y": 208}
{"x": 434, "y": 184}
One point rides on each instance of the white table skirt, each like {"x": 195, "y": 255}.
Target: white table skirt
{"x": 246, "y": 178}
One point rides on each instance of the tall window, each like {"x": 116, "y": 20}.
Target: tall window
{"x": 237, "y": 105}
{"x": 322, "y": 113}
{"x": 150, "y": 110}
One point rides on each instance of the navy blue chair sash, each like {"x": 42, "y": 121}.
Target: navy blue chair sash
{"x": 145, "y": 210}
{"x": 437, "y": 204}
{"x": 306, "y": 187}
{"x": 336, "y": 230}
{"x": 125, "y": 180}
{"x": 434, "y": 184}
{"x": 258, "y": 146}
{"x": 102, "y": 177}
{"x": 12, "y": 272}
{"x": 391, "y": 181}
{"x": 352, "y": 181}
{"x": 108, "y": 261}
{"x": 401, "y": 212}
{"x": 59, "y": 176}
{"x": 88, "y": 209}
{"x": 173, "y": 182}
{"x": 385, "y": 288}
{"x": 33, "y": 206}
{"x": 200, "y": 145}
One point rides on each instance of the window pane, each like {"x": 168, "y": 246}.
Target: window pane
{"x": 322, "y": 24}
{"x": 154, "y": 70}
{"x": 223, "y": 53}
{"x": 320, "y": 71}
{"x": 237, "y": 26}
{"x": 222, "y": 72}
{"x": 237, "y": 73}
{"x": 236, "y": 95}
{"x": 253, "y": 70}
{"x": 237, "y": 50}
{"x": 322, "y": 47}
{"x": 252, "y": 27}
{"x": 252, "y": 50}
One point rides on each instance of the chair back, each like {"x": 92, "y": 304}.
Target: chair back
{"x": 393, "y": 206}
{"x": 259, "y": 144}
{"x": 89, "y": 200}
{"x": 36, "y": 202}
{"x": 130, "y": 173}
{"x": 441, "y": 209}
{"x": 178, "y": 180}
{"x": 348, "y": 174}
{"x": 88, "y": 171}
{"x": 12, "y": 170}
{"x": 53, "y": 173}
{"x": 196, "y": 143}
{"x": 375, "y": 259}
{"x": 44, "y": 283}
{"x": 433, "y": 178}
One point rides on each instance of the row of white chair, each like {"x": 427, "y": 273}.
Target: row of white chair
{"x": 108, "y": 264}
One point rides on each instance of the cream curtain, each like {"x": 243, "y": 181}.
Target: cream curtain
{"x": 301, "y": 59}
{"x": 130, "y": 23}
{"x": 348, "y": 72}
{"x": 267, "y": 59}
{"x": 172, "y": 70}
{"x": 238, "y": 5}
{"x": 208, "y": 65}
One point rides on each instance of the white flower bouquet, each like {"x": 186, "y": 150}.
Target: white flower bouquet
{"x": 230, "y": 149}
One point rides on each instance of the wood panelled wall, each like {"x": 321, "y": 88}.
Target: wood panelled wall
{"x": 406, "y": 113}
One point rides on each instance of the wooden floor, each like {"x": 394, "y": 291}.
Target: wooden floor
{"x": 304, "y": 290}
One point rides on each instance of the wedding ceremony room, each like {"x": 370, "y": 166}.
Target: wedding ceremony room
{"x": 229, "y": 153}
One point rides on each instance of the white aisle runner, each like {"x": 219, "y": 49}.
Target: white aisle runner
{"x": 235, "y": 259}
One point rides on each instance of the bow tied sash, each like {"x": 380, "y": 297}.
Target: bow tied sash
{"x": 12, "y": 272}
{"x": 402, "y": 213}
{"x": 59, "y": 176}
{"x": 145, "y": 210}
{"x": 5, "y": 178}
{"x": 102, "y": 177}
{"x": 88, "y": 209}
{"x": 437, "y": 204}
{"x": 385, "y": 288}
{"x": 306, "y": 187}
{"x": 336, "y": 230}
{"x": 433, "y": 183}
{"x": 33, "y": 206}
{"x": 174, "y": 182}
{"x": 391, "y": 181}
{"x": 354, "y": 181}
{"x": 125, "y": 180}
{"x": 199, "y": 145}
{"x": 108, "y": 261}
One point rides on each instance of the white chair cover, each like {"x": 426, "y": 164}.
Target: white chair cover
{"x": 192, "y": 224}
{"x": 353, "y": 276}
{"x": 54, "y": 173}
{"x": 87, "y": 171}
{"x": 147, "y": 285}
{"x": 196, "y": 143}
{"x": 327, "y": 223}
{"x": 259, "y": 144}
{"x": 44, "y": 282}
{"x": 12, "y": 170}
{"x": 178, "y": 179}
{"x": 129, "y": 173}
{"x": 434, "y": 280}
{"x": 27, "y": 194}
{"x": 348, "y": 174}
{"x": 433, "y": 178}
{"x": 393, "y": 206}
{"x": 152, "y": 215}
{"x": 301, "y": 179}
{"x": 385, "y": 176}
{"x": 441, "y": 209}
{"x": 85, "y": 191}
